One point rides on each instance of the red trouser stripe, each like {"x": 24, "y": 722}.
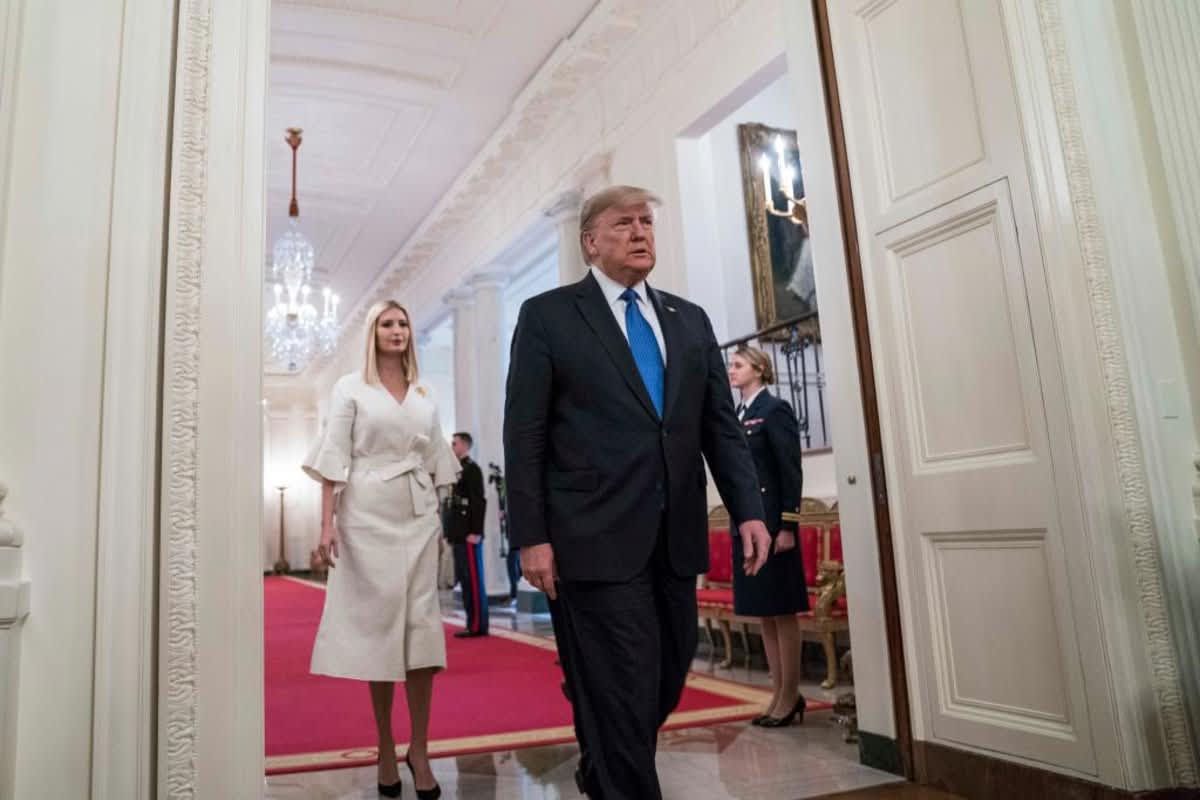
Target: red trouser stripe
{"x": 471, "y": 556}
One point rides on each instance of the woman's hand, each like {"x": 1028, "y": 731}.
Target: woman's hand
{"x": 327, "y": 550}
{"x": 784, "y": 541}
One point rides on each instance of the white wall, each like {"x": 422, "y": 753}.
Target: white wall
{"x": 719, "y": 279}
{"x": 52, "y": 336}
{"x": 290, "y": 426}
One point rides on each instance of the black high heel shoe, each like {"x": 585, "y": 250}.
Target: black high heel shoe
{"x": 389, "y": 790}
{"x": 423, "y": 794}
{"x": 784, "y": 721}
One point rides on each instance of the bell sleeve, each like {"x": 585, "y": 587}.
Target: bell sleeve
{"x": 329, "y": 456}
{"x": 440, "y": 462}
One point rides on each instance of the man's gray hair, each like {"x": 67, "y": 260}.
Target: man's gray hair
{"x": 605, "y": 199}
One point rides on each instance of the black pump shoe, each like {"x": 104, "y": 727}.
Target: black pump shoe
{"x": 784, "y": 721}
{"x": 423, "y": 794}
{"x": 391, "y": 791}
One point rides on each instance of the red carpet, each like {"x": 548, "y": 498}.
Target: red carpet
{"x": 497, "y": 693}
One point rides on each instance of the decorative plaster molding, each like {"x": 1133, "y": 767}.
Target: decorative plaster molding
{"x": 495, "y": 277}
{"x": 181, "y": 398}
{"x": 461, "y": 297}
{"x": 1196, "y": 493}
{"x": 10, "y": 534}
{"x": 1119, "y": 399}
{"x": 441, "y": 82}
{"x": 14, "y": 592}
{"x": 387, "y": 9}
{"x": 540, "y": 106}
{"x": 566, "y": 207}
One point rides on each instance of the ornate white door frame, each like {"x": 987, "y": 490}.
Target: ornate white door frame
{"x": 210, "y": 645}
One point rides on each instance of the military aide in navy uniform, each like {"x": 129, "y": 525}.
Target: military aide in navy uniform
{"x": 464, "y": 530}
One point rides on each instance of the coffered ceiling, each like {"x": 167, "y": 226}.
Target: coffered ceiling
{"x": 395, "y": 98}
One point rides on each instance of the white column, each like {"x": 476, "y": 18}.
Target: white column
{"x": 565, "y": 213}
{"x": 489, "y": 387}
{"x": 14, "y": 606}
{"x": 462, "y": 304}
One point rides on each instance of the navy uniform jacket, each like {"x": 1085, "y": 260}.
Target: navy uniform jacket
{"x": 774, "y": 438}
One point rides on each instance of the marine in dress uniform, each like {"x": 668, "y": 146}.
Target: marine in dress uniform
{"x": 463, "y": 525}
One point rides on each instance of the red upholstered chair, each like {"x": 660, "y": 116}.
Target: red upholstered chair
{"x": 714, "y": 592}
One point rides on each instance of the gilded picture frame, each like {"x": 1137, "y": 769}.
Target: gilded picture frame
{"x": 780, "y": 256}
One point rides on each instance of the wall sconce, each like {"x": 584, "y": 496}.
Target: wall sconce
{"x": 797, "y": 207}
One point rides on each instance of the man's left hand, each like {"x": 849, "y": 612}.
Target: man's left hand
{"x": 474, "y": 538}
{"x": 756, "y": 545}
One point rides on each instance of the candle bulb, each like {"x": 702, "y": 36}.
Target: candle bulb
{"x": 765, "y": 165}
{"x": 779, "y": 154}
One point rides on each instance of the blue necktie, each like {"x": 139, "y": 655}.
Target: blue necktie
{"x": 644, "y": 345}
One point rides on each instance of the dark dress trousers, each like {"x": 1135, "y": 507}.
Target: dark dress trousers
{"x": 774, "y": 437}
{"x": 620, "y": 495}
{"x": 464, "y": 515}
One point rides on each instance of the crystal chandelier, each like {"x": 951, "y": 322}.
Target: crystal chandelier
{"x": 296, "y": 331}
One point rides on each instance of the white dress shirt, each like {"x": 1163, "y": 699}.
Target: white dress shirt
{"x": 612, "y": 293}
{"x": 745, "y": 404}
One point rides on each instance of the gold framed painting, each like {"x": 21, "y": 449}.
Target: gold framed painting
{"x": 781, "y": 268}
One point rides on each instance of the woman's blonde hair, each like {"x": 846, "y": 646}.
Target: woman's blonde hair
{"x": 759, "y": 361}
{"x": 408, "y": 359}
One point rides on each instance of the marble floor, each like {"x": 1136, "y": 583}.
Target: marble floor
{"x": 719, "y": 762}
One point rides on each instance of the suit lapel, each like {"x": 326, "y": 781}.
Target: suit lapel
{"x": 668, "y": 320}
{"x": 599, "y": 317}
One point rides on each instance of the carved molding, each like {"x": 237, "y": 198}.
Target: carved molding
{"x": 1119, "y": 399}
{"x": 1196, "y": 493}
{"x": 390, "y": 10}
{"x": 10, "y": 534}
{"x": 14, "y": 592}
{"x": 537, "y": 110}
{"x": 181, "y": 399}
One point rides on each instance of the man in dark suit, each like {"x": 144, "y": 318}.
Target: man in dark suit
{"x": 615, "y": 392}
{"x": 463, "y": 526}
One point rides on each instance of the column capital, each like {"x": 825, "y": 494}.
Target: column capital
{"x": 495, "y": 276}
{"x": 594, "y": 174}
{"x": 460, "y": 297}
{"x": 566, "y": 206}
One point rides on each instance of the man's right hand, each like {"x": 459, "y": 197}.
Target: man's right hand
{"x": 537, "y": 565}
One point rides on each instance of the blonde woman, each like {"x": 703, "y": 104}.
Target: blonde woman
{"x": 777, "y": 592}
{"x": 382, "y": 461}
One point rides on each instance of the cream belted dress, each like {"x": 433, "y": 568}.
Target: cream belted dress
{"x": 386, "y": 458}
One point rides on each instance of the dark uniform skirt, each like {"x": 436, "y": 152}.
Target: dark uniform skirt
{"x": 777, "y": 589}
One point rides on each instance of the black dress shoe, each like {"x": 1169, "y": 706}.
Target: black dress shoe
{"x": 785, "y": 721}
{"x": 391, "y": 791}
{"x": 424, "y": 794}
{"x": 466, "y": 634}
{"x": 579, "y": 782}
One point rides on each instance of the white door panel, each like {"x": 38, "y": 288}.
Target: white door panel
{"x": 984, "y": 499}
